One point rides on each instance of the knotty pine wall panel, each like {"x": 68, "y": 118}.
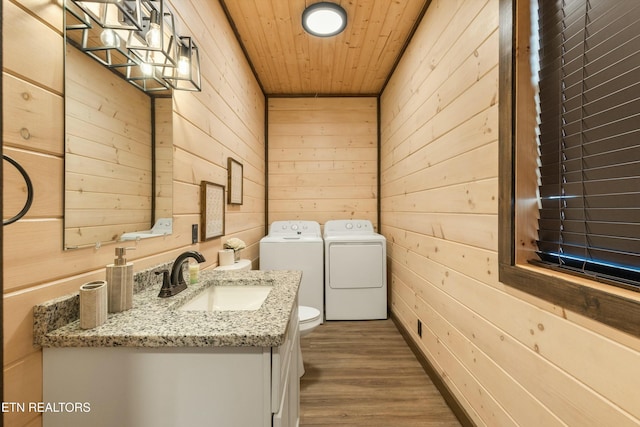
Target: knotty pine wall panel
{"x": 225, "y": 120}
{"x": 504, "y": 355}
{"x": 322, "y": 159}
{"x": 163, "y": 157}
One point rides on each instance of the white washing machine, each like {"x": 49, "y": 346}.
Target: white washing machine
{"x": 297, "y": 245}
{"x": 355, "y": 271}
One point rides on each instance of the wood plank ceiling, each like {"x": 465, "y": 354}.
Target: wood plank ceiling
{"x": 288, "y": 61}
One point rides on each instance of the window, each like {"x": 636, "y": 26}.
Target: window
{"x": 589, "y": 138}
{"x": 590, "y": 153}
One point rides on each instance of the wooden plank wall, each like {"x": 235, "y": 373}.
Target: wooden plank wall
{"x": 108, "y": 158}
{"x": 225, "y": 120}
{"x": 164, "y": 157}
{"x": 322, "y": 159}
{"x": 509, "y": 358}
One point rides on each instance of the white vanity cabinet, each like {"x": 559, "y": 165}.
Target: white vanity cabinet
{"x": 174, "y": 386}
{"x": 285, "y": 377}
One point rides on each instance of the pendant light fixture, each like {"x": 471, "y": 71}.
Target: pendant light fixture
{"x": 324, "y": 19}
{"x": 114, "y": 14}
{"x": 156, "y": 44}
{"x": 136, "y": 38}
{"x": 186, "y": 76}
{"x": 146, "y": 77}
{"x": 109, "y": 49}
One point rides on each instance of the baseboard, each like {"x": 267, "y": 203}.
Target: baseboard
{"x": 453, "y": 403}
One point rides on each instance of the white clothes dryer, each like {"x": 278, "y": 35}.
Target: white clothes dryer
{"x": 355, "y": 271}
{"x": 298, "y": 245}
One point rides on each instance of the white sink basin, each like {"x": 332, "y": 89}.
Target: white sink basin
{"x": 228, "y": 298}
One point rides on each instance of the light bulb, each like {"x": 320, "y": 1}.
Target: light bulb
{"x": 109, "y": 38}
{"x": 146, "y": 69}
{"x": 184, "y": 66}
{"x": 154, "y": 36}
{"x": 325, "y": 22}
{"x": 324, "y": 19}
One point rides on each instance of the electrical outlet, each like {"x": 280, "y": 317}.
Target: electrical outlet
{"x": 419, "y": 328}
{"x": 194, "y": 233}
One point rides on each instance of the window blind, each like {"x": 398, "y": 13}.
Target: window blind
{"x": 589, "y": 137}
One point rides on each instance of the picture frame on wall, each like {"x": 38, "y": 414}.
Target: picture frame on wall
{"x": 234, "y": 173}
{"x": 212, "y": 210}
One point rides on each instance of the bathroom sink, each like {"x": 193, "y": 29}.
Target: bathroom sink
{"x": 228, "y": 298}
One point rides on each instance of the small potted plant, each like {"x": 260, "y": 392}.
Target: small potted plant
{"x": 237, "y": 245}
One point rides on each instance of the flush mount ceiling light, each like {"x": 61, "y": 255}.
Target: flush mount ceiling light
{"x": 324, "y": 19}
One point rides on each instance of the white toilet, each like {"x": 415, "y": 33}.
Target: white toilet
{"x": 309, "y": 319}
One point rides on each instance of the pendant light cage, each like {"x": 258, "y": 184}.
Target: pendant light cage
{"x": 186, "y": 76}
{"x": 138, "y": 39}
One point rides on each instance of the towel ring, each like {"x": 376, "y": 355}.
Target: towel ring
{"x": 27, "y": 180}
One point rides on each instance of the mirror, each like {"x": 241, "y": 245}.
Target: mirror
{"x": 118, "y": 154}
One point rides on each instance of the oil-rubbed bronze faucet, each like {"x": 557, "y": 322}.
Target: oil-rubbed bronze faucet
{"x": 174, "y": 284}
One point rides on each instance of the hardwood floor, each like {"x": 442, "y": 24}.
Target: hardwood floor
{"x": 363, "y": 374}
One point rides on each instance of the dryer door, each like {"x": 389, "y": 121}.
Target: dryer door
{"x": 355, "y": 265}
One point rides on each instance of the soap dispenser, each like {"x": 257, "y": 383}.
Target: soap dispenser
{"x": 120, "y": 282}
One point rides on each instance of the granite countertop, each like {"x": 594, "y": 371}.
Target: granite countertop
{"x": 156, "y": 322}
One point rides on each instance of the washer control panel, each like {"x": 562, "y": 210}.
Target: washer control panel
{"x": 294, "y": 228}
{"x": 348, "y": 227}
